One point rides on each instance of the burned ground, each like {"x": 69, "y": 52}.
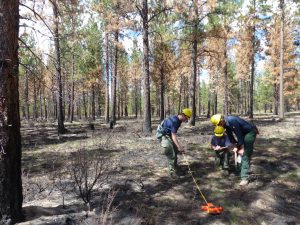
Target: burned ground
{"x": 143, "y": 191}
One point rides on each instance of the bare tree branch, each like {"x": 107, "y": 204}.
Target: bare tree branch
{"x": 35, "y": 30}
{"x": 37, "y": 57}
{"x": 159, "y": 12}
{"x": 38, "y": 15}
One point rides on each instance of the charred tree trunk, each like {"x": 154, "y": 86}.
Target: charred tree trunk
{"x": 179, "y": 98}
{"x": 93, "y": 103}
{"x": 194, "y": 56}
{"x": 107, "y": 82}
{"x": 114, "y": 81}
{"x": 157, "y": 98}
{"x": 275, "y": 99}
{"x": 41, "y": 103}
{"x": 251, "y": 100}
{"x": 11, "y": 197}
{"x": 26, "y": 96}
{"x": 208, "y": 106}
{"x": 146, "y": 72}
{"x": 215, "y": 102}
{"x": 281, "y": 94}
{"x": 136, "y": 96}
{"x": 168, "y": 109}
{"x": 84, "y": 105}
{"x": 200, "y": 110}
{"x": 119, "y": 104}
{"x": 59, "y": 93}
{"x": 35, "y": 116}
{"x": 225, "y": 100}
{"x": 162, "y": 95}
{"x": 72, "y": 101}
{"x": 45, "y": 107}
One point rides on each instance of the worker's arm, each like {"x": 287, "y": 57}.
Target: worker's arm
{"x": 228, "y": 144}
{"x": 175, "y": 140}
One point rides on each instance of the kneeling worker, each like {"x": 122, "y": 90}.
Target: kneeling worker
{"x": 222, "y": 145}
{"x": 246, "y": 135}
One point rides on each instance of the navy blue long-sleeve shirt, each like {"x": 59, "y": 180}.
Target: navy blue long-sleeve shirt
{"x": 239, "y": 127}
{"x": 171, "y": 125}
{"x": 223, "y": 141}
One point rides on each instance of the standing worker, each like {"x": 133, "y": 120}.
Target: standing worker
{"x": 246, "y": 135}
{"x": 221, "y": 144}
{"x": 167, "y": 133}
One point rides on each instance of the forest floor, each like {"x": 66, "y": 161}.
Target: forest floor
{"x": 136, "y": 187}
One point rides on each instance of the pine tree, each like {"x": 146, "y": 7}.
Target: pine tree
{"x": 10, "y": 139}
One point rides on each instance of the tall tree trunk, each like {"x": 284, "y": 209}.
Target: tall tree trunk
{"x": 194, "y": 56}
{"x": 173, "y": 103}
{"x": 251, "y": 99}
{"x": 215, "y": 102}
{"x": 119, "y": 101}
{"x": 136, "y": 108}
{"x": 225, "y": 100}
{"x": 99, "y": 101}
{"x": 147, "y": 105}
{"x": 180, "y": 98}
{"x": 84, "y": 105}
{"x": 162, "y": 95}
{"x": 251, "y": 87}
{"x": 59, "y": 93}
{"x": 239, "y": 98}
{"x": 41, "y": 103}
{"x": 186, "y": 103}
{"x": 78, "y": 104}
{"x": 281, "y": 95}
{"x": 208, "y": 106}
{"x": 140, "y": 99}
{"x": 121, "y": 107}
{"x": 26, "y": 93}
{"x": 275, "y": 99}
{"x": 199, "y": 97}
{"x": 54, "y": 108}
{"x": 72, "y": 100}
{"x": 157, "y": 102}
{"x": 114, "y": 81}
{"x": 107, "y": 82}
{"x": 35, "y": 116}
{"x": 11, "y": 197}
{"x": 45, "y": 106}
{"x": 168, "y": 109}
{"x": 93, "y": 103}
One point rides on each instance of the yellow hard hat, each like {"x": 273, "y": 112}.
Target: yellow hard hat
{"x": 187, "y": 112}
{"x": 215, "y": 119}
{"x": 219, "y": 131}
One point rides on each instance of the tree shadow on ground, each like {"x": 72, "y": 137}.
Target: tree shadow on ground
{"x": 145, "y": 192}
{"x": 241, "y": 204}
{"x": 34, "y": 212}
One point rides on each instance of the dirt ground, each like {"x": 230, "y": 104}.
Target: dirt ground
{"x": 138, "y": 179}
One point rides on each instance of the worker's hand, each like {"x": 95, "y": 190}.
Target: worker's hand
{"x": 241, "y": 151}
{"x": 235, "y": 149}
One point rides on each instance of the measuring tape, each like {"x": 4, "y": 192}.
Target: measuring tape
{"x": 209, "y": 207}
